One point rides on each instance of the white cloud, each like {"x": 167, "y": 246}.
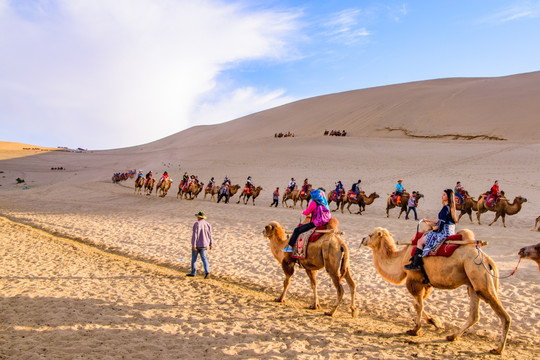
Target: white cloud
{"x": 344, "y": 27}
{"x": 238, "y": 103}
{"x": 104, "y": 74}
{"x": 513, "y": 12}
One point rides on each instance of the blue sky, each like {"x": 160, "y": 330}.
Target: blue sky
{"x": 103, "y": 74}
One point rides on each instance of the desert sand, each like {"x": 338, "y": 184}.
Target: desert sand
{"x": 92, "y": 270}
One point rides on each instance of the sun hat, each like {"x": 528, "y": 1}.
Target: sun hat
{"x": 201, "y": 215}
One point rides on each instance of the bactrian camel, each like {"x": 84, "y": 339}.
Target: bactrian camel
{"x": 467, "y": 207}
{"x": 531, "y": 252}
{"x": 333, "y": 196}
{"x": 501, "y": 208}
{"x": 253, "y": 194}
{"x": 329, "y": 252}
{"x": 149, "y": 186}
{"x": 290, "y": 195}
{"x": 361, "y": 200}
{"x": 390, "y": 204}
{"x": 164, "y": 187}
{"x": 139, "y": 185}
{"x": 443, "y": 273}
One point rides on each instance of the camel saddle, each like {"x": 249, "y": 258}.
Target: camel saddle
{"x": 300, "y": 247}
{"x": 351, "y": 195}
{"x": 442, "y": 249}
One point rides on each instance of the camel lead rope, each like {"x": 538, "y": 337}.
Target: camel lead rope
{"x": 481, "y": 255}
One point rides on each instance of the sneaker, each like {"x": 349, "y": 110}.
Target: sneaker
{"x": 287, "y": 249}
{"x": 191, "y": 275}
{"x": 207, "y": 276}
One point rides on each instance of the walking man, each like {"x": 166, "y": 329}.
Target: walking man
{"x": 200, "y": 241}
{"x": 275, "y": 196}
{"x": 412, "y": 204}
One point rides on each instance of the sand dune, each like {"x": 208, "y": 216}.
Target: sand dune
{"x": 81, "y": 203}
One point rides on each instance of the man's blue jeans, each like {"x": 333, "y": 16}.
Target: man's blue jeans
{"x": 413, "y": 208}
{"x": 194, "y": 254}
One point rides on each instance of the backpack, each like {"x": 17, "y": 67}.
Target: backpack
{"x": 322, "y": 215}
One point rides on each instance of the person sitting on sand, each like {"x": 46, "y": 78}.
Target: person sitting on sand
{"x": 442, "y": 228}
{"x": 318, "y": 212}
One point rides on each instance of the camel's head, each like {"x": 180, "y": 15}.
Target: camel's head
{"x": 419, "y": 195}
{"x": 377, "y": 237}
{"x": 375, "y": 195}
{"x": 273, "y": 229}
{"x": 520, "y": 199}
{"x": 530, "y": 252}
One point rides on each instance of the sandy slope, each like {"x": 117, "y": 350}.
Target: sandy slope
{"x": 117, "y": 305}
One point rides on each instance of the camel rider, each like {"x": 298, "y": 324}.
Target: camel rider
{"x": 339, "y": 188}
{"x": 320, "y": 215}
{"x": 249, "y": 185}
{"x": 493, "y": 194}
{"x": 139, "y": 175}
{"x": 163, "y": 177}
{"x": 211, "y": 183}
{"x": 444, "y": 227}
{"x": 399, "y": 191}
{"x": 148, "y": 177}
{"x": 355, "y": 188}
{"x": 226, "y": 180}
{"x": 185, "y": 179}
{"x": 292, "y": 184}
{"x": 459, "y": 191}
{"x": 304, "y": 187}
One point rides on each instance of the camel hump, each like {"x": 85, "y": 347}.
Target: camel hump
{"x": 333, "y": 224}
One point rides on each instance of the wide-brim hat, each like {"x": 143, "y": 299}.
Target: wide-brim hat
{"x": 201, "y": 214}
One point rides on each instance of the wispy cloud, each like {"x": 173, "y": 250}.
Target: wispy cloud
{"x": 514, "y": 12}
{"x": 125, "y": 72}
{"x": 344, "y": 27}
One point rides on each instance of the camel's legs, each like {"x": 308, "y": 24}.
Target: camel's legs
{"x": 352, "y": 289}
{"x": 400, "y": 212}
{"x": 430, "y": 319}
{"x": 490, "y": 296}
{"x": 288, "y": 269}
{"x": 417, "y": 290}
{"x": 497, "y": 215}
{"x": 340, "y": 292}
{"x": 474, "y": 303}
{"x": 313, "y": 281}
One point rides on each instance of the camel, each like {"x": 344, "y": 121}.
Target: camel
{"x": 531, "y": 252}
{"x": 536, "y": 224}
{"x": 149, "y": 186}
{"x": 164, "y": 187}
{"x": 232, "y": 190}
{"x": 501, "y": 208}
{"x": 337, "y": 199}
{"x": 253, "y": 194}
{"x": 193, "y": 190}
{"x": 212, "y": 191}
{"x": 139, "y": 185}
{"x": 329, "y": 252}
{"x": 290, "y": 196}
{"x": 362, "y": 200}
{"x": 467, "y": 207}
{"x": 403, "y": 206}
{"x": 443, "y": 273}
{"x": 306, "y": 196}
